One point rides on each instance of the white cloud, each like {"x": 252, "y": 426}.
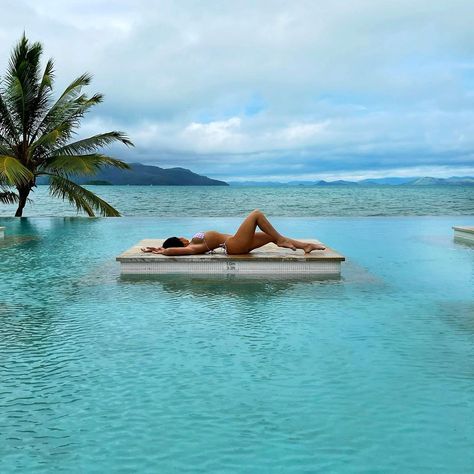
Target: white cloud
{"x": 340, "y": 84}
{"x": 208, "y": 137}
{"x": 295, "y": 133}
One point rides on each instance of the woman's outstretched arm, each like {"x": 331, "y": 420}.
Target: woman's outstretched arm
{"x": 193, "y": 249}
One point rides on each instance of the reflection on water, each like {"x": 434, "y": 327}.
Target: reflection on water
{"x": 464, "y": 242}
{"x": 459, "y": 314}
{"x": 243, "y": 286}
{"x": 11, "y": 240}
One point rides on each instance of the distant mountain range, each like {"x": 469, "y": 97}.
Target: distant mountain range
{"x": 425, "y": 181}
{"x": 148, "y": 175}
{"x": 154, "y": 175}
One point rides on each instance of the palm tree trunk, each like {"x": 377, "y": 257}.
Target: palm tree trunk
{"x": 23, "y": 196}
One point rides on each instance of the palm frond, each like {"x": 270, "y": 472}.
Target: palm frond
{"x": 48, "y": 75}
{"x": 71, "y": 97}
{"x": 25, "y": 60}
{"x": 81, "y": 164}
{"x": 74, "y": 88}
{"x": 48, "y": 140}
{"x": 8, "y": 197}
{"x": 24, "y": 63}
{"x": 7, "y": 124}
{"x": 13, "y": 172}
{"x": 43, "y": 97}
{"x": 93, "y": 143}
{"x": 83, "y": 199}
{"x": 5, "y": 148}
{"x": 23, "y": 82}
{"x": 17, "y": 101}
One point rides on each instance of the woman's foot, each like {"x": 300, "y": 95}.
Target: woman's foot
{"x": 285, "y": 243}
{"x": 310, "y": 247}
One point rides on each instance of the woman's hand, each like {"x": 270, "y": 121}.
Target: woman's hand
{"x": 152, "y": 249}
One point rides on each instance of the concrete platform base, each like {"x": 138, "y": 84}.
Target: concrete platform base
{"x": 267, "y": 260}
{"x": 464, "y": 233}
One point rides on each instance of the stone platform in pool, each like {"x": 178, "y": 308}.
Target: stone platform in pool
{"x": 464, "y": 233}
{"x": 267, "y": 260}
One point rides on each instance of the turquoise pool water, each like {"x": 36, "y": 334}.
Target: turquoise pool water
{"x": 370, "y": 373}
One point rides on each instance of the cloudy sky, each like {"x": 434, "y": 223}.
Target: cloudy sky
{"x": 270, "y": 90}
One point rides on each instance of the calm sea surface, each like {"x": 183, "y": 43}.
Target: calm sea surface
{"x": 190, "y": 201}
{"x": 373, "y": 372}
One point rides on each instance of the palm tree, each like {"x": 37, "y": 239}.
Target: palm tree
{"x": 36, "y": 134}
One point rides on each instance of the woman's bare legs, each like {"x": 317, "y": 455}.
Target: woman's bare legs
{"x": 246, "y": 239}
{"x": 259, "y": 240}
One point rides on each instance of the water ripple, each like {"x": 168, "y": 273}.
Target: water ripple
{"x": 370, "y": 372}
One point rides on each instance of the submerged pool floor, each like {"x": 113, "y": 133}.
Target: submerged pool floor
{"x": 369, "y": 372}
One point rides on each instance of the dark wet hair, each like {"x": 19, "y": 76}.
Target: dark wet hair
{"x": 172, "y": 242}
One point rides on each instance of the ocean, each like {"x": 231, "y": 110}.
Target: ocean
{"x": 288, "y": 201}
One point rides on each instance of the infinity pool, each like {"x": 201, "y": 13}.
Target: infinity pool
{"x": 370, "y": 373}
